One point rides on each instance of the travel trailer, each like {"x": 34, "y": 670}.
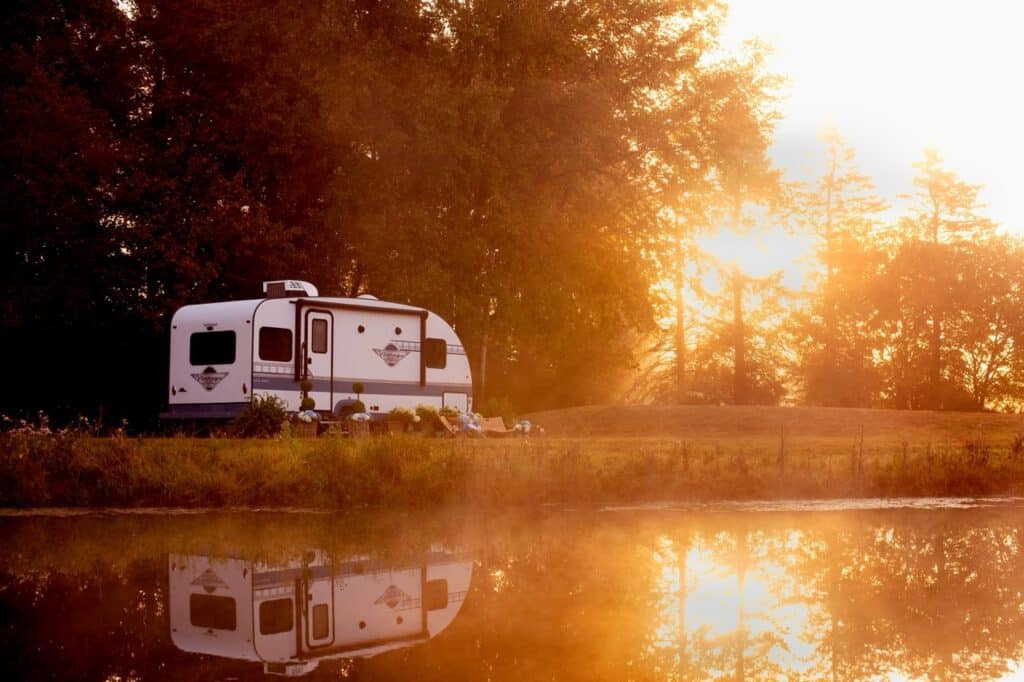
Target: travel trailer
{"x": 223, "y": 354}
{"x": 291, "y": 617}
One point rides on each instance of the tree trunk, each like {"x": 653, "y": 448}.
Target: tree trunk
{"x": 935, "y": 363}
{"x": 739, "y": 377}
{"x": 680, "y": 283}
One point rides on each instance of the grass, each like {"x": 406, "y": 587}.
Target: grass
{"x": 590, "y": 456}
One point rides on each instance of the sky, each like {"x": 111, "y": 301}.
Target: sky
{"x": 893, "y": 77}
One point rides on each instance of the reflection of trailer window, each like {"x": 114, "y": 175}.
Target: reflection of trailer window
{"x": 211, "y": 348}
{"x": 276, "y": 616}
{"x": 209, "y": 611}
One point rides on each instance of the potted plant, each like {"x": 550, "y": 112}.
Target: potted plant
{"x": 400, "y": 419}
{"x": 428, "y": 418}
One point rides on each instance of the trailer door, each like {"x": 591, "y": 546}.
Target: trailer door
{"x": 318, "y": 616}
{"x": 319, "y": 348}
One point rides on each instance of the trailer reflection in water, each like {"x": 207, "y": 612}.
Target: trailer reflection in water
{"x": 290, "y": 617}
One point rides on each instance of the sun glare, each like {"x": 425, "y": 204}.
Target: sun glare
{"x": 895, "y": 77}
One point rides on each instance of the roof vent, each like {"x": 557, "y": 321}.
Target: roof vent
{"x": 368, "y": 297}
{"x": 289, "y": 288}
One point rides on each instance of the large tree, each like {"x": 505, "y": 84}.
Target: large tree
{"x": 835, "y": 333}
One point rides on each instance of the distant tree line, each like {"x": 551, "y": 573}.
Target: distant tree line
{"x": 923, "y": 310}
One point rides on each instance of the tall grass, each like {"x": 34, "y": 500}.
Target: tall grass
{"x": 79, "y": 469}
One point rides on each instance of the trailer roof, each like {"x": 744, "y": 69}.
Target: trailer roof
{"x": 231, "y": 311}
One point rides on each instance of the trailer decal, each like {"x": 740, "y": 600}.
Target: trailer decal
{"x": 391, "y": 354}
{"x": 395, "y": 598}
{"x": 209, "y": 581}
{"x": 209, "y": 378}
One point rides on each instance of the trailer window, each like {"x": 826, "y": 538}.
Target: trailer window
{"x": 435, "y": 353}
{"x": 319, "y": 336}
{"x": 435, "y": 594}
{"x": 275, "y": 344}
{"x": 276, "y": 616}
{"x": 321, "y": 623}
{"x": 211, "y": 348}
{"x": 214, "y": 613}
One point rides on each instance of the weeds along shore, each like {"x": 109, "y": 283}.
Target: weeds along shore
{"x": 74, "y": 469}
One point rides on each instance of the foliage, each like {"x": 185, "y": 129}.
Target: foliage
{"x": 489, "y": 161}
{"x": 426, "y": 413}
{"x": 261, "y": 418}
{"x": 402, "y": 415}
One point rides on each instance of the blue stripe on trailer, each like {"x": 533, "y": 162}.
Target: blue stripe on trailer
{"x": 273, "y": 382}
{"x": 204, "y": 410}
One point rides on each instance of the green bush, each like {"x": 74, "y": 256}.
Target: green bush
{"x": 402, "y": 414}
{"x": 262, "y": 418}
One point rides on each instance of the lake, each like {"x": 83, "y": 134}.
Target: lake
{"x": 866, "y": 589}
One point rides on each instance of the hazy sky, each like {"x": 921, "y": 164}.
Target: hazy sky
{"x": 893, "y": 77}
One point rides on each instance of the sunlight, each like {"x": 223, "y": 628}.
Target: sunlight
{"x": 894, "y": 78}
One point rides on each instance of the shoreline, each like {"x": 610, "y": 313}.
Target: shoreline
{"x": 408, "y": 472}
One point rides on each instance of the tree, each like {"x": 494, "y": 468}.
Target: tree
{"x": 944, "y": 216}
{"x": 835, "y": 334}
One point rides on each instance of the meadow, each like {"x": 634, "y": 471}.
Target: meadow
{"x": 587, "y": 456}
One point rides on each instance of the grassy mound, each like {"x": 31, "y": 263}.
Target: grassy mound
{"x": 808, "y": 424}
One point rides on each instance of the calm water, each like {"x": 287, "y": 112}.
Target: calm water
{"x": 932, "y": 590}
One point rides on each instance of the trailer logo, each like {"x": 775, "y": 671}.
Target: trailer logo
{"x": 209, "y": 378}
{"x": 209, "y": 581}
{"x": 391, "y": 354}
{"x": 393, "y": 596}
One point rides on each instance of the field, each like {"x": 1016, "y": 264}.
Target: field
{"x": 587, "y": 456}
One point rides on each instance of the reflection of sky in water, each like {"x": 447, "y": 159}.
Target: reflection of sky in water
{"x": 933, "y": 592}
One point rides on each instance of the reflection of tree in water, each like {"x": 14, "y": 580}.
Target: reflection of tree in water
{"x": 931, "y": 595}
{"x": 848, "y": 598}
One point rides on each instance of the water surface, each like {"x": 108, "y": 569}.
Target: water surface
{"x": 922, "y": 589}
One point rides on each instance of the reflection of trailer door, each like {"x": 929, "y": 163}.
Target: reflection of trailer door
{"x": 318, "y": 615}
{"x": 319, "y": 346}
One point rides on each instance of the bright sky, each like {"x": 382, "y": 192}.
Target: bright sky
{"x": 894, "y": 76}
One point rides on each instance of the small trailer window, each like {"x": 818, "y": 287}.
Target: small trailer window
{"x": 275, "y": 344}
{"x": 435, "y": 353}
{"x": 211, "y": 348}
{"x": 321, "y": 622}
{"x": 276, "y": 616}
{"x": 435, "y": 594}
{"x": 319, "y": 336}
{"x": 213, "y": 613}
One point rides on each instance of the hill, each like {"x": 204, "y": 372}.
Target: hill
{"x": 703, "y": 423}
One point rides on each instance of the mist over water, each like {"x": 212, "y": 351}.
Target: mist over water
{"x": 922, "y": 590}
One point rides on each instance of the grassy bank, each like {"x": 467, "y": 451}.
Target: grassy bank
{"x": 590, "y": 456}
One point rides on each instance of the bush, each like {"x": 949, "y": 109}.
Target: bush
{"x": 448, "y": 412}
{"x": 402, "y": 415}
{"x": 262, "y": 418}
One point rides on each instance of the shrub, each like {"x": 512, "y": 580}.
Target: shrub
{"x": 262, "y": 418}
{"x": 448, "y": 412}
{"x": 427, "y": 414}
{"x": 402, "y": 415}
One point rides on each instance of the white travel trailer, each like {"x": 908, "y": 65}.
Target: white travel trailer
{"x": 291, "y": 617}
{"x": 223, "y": 354}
